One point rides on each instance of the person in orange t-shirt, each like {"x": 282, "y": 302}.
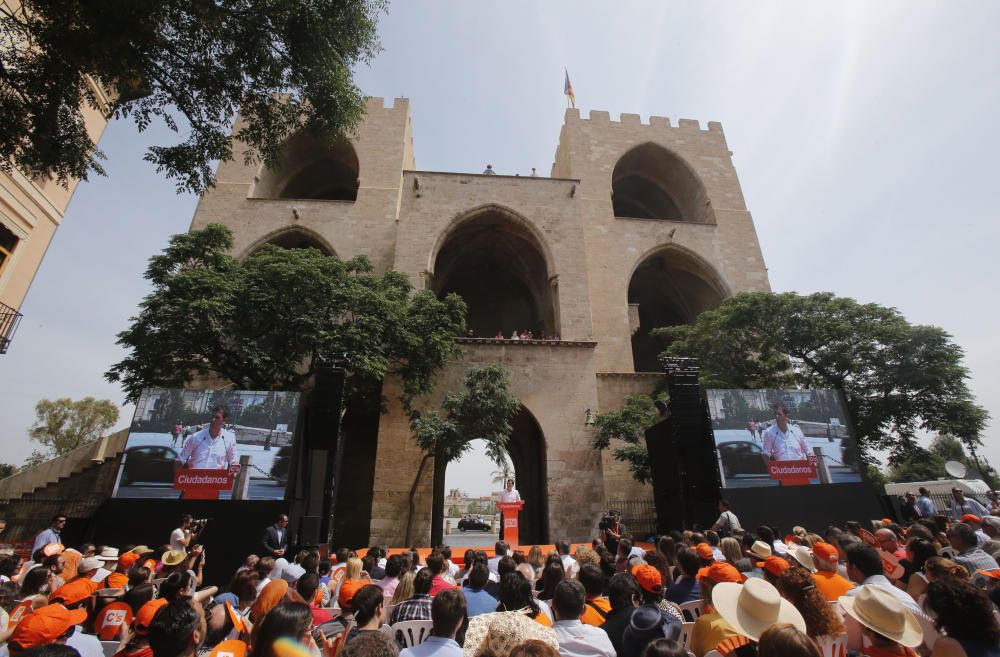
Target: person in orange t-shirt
{"x": 829, "y": 583}
{"x": 119, "y": 578}
{"x": 597, "y": 608}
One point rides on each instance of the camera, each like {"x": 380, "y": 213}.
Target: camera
{"x": 606, "y": 522}
{"x": 198, "y": 524}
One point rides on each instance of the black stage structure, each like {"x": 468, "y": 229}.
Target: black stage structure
{"x": 687, "y": 486}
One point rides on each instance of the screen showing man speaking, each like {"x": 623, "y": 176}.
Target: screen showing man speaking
{"x": 782, "y": 438}
{"x": 209, "y": 444}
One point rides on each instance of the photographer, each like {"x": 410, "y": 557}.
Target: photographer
{"x": 182, "y": 537}
{"x": 611, "y": 531}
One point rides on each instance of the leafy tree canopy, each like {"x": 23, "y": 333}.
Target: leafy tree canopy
{"x": 628, "y": 425}
{"x": 260, "y": 322}
{"x": 928, "y": 464}
{"x": 190, "y": 65}
{"x": 898, "y": 378}
{"x": 62, "y": 425}
{"x": 6, "y": 470}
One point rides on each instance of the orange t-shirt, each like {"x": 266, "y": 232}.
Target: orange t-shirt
{"x": 590, "y": 615}
{"x": 543, "y": 619}
{"x": 116, "y": 580}
{"x": 831, "y": 585}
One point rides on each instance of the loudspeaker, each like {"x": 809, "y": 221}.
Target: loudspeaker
{"x": 309, "y": 531}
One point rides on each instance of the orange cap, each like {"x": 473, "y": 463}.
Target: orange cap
{"x": 774, "y": 565}
{"x": 792, "y": 539}
{"x": 826, "y": 552}
{"x": 347, "y": 591}
{"x": 886, "y": 521}
{"x": 73, "y": 592}
{"x": 53, "y": 548}
{"x": 971, "y": 517}
{"x": 46, "y": 625}
{"x": 145, "y": 615}
{"x": 704, "y": 551}
{"x": 150, "y": 563}
{"x": 721, "y": 571}
{"x": 995, "y": 574}
{"x": 649, "y": 578}
{"x": 128, "y": 559}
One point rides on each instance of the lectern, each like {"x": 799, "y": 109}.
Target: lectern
{"x": 509, "y": 520}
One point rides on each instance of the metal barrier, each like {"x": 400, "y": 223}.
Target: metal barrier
{"x": 9, "y": 319}
{"x": 639, "y": 516}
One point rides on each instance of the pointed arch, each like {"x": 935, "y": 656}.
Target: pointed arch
{"x": 500, "y": 264}
{"x": 653, "y": 182}
{"x": 310, "y": 169}
{"x": 668, "y": 286}
{"x": 293, "y": 237}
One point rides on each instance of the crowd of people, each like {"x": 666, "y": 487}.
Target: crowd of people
{"x": 929, "y": 588}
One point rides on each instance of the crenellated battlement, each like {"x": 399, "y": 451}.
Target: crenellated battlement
{"x": 378, "y": 103}
{"x": 626, "y": 119}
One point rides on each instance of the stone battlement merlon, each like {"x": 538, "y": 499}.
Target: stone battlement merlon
{"x": 379, "y": 103}
{"x": 628, "y": 119}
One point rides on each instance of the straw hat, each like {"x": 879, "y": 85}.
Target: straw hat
{"x": 882, "y": 612}
{"x": 173, "y": 557}
{"x": 108, "y": 554}
{"x": 803, "y": 555}
{"x": 498, "y": 633}
{"x": 753, "y": 607}
{"x": 760, "y": 549}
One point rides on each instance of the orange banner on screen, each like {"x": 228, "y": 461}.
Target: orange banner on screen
{"x": 792, "y": 473}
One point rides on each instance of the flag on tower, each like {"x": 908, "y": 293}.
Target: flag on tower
{"x": 568, "y": 90}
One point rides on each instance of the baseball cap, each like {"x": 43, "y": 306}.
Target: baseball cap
{"x": 826, "y": 552}
{"x": 704, "y": 551}
{"x": 73, "y": 592}
{"x": 649, "y": 578}
{"x": 87, "y": 564}
{"x": 128, "y": 559}
{"x": 971, "y": 517}
{"x": 995, "y": 574}
{"x": 774, "y": 565}
{"x": 53, "y": 548}
{"x": 721, "y": 572}
{"x": 46, "y": 625}
{"x": 144, "y": 617}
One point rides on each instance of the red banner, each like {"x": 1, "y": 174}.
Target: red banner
{"x": 199, "y": 483}
{"x": 792, "y": 473}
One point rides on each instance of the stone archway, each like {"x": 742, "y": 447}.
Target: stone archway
{"x": 309, "y": 169}
{"x": 669, "y": 287}
{"x": 295, "y": 237}
{"x": 498, "y": 265}
{"x": 651, "y": 182}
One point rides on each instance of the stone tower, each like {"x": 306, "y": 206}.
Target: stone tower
{"x": 639, "y": 226}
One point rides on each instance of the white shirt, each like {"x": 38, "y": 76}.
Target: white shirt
{"x": 176, "y": 539}
{"x": 579, "y": 640}
{"x": 570, "y": 566}
{"x": 510, "y": 495}
{"x": 201, "y": 451}
{"x": 44, "y": 538}
{"x": 787, "y": 445}
{"x": 264, "y": 582}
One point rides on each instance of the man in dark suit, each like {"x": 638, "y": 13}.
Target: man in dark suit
{"x": 276, "y": 538}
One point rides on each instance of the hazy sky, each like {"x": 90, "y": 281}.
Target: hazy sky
{"x": 865, "y": 136}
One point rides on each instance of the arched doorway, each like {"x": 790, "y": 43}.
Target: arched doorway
{"x": 669, "y": 287}
{"x": 474, "y": 483}
{"x": 650, "y": 182}
{"x": 294, "y": 238}
{"x": 497, "y": 264}
{"x": 309, "y": 169}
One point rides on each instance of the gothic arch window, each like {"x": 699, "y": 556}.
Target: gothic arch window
{"x": 308, "y": 169}
{"x": 294, "y": 238}
{"x": 650, "y": 182}
{"x": 497, "y": 264}
{"x": 669, "y": 287}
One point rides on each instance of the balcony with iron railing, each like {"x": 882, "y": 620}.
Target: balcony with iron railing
{"x": 9, "y": 319}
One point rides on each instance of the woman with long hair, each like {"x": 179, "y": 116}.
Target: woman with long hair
{"x": 918, "y": 551}
{"x": 36, "y": 582}
{"x": 354, "y": 569}
{"x": 798, "y": 587}
{"x": 536, "y": 559}
{"x": 515, "y": 594}
{"x": 786, "y": 641}
{"x": 666, "y": 546}
{"x": 936, "y": 568}
{"x": 368, "y": 611}
{"x": 551, "y": 576}
{"x": 290, "y": 620}
{"x": 658, "y": 561}
{"x": 404, "y": 590}
{"x": 964, "y": 616}
{"x": 733, "y": 552}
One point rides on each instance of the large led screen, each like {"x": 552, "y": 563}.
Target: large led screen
{"x": 782, "y": 438}
{"x": 209, "y": 444}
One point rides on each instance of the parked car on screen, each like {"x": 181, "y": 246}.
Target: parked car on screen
{"x": 473, "y": 525}
{"x": 741, "y": 457}
{"x": 148, "y": 464}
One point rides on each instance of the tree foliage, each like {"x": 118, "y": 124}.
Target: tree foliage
{"x": 898, "y": 378}
{"x": 62, "y": 425}
{"x": 628, "y": 425}
{"x": 928, "y": 464}
{"x": 189, "y": 65}
{"x": 482, "y": 410}
{"x": 260, "y": 322}
{"x": 6, "y": 470}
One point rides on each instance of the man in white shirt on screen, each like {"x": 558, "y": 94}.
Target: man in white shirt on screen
{"x": 212, "y": 448}
{"x": 784, "y": 441}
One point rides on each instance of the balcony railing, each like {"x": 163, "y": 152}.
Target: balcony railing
{"x": 9, "y": 319}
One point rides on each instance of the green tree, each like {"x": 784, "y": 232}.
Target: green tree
{"x": 505, "y": 472}
{"x": 628, "y": 424}
{"x": 260, "y": 322}
{"x": 63, "y": 425}
{"x": 898, "y": 378}
{"x": 929, "y": 464}
{"x": 6, "y": 470}
{"x": 189, "y": 65}
{"x": 482, "y": 410}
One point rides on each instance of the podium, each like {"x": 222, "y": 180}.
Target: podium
{"x": 509, "y": 519}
